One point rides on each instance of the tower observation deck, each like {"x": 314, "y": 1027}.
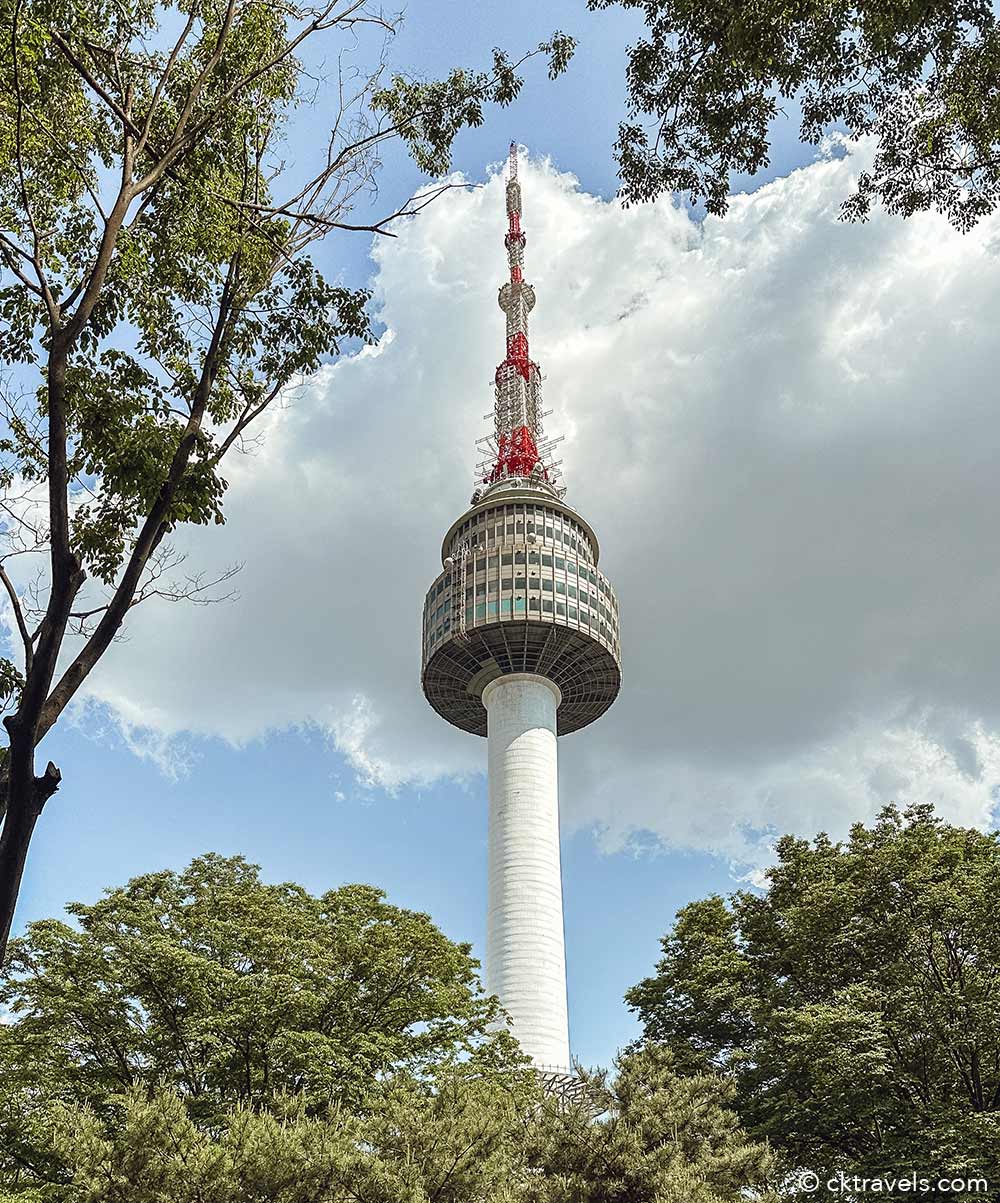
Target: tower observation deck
{"x": 520, "y": 644}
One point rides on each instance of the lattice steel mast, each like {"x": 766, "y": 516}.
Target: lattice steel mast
{"x": 518, "y": 446}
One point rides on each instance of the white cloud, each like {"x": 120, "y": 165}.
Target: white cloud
{"x": 783, "y": 429}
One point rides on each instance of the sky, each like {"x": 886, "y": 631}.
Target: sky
{"x": 780, "y": 426}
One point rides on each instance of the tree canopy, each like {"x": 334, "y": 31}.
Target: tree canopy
{"x": 706, "y": 82}
{"x": 661, "y": 1137}
{"x": 157, "y": 293}
{"x": 205, "y": 1037}
{"x": 232, "y": 992}
{"x": 854, "y": 1004}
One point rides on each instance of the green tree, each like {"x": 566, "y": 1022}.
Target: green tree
{"x": 854, "y": 1004}
{"x": 157, "y": 294}
{"x": 663, "y": 1137}
{"x": 706, "y": 82}
{"x": 454, "y": 1143}
{"x": 232, "y": 993}
{"x": 455, "y": 1135}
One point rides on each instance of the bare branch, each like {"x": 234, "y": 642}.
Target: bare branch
{"x": 22, "y": 627}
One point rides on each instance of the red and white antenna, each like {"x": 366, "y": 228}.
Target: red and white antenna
{"x": 517, "y": 444}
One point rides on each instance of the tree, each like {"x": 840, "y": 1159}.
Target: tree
{"x": 663, "y": 1137}
{"x": 854, "y": 1004}
{"x": 923, "y": 80}
{"x": 232, "y": 994}
{"x": 204, "y": 1037}
{"x": 157, "y": 295}
{"x": 456, "y": 1135}
{"x": 455, "y": 1143}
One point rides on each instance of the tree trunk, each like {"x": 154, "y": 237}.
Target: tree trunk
{"x": 26, "y": 795}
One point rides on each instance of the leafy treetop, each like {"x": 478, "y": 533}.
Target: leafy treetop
{"x": 706, "y": 82}
{"x": 854, "y": 1004}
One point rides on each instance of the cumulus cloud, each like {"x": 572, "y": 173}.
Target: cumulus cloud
{"x": 783, "y": 429}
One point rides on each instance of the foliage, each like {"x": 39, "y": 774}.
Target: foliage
{"x": 232, "y": 993}
{"x": 923, "y": 79}
{"x": 451, "y": 1143}
{"x": 456, "y": 1135}
{"x": 663, "y": 1138}
{"x": 854, "y": 1004}
{"x": 157, "y": 293}
{"x": 203, "y": 1037}
{"x": 428, "y": 116}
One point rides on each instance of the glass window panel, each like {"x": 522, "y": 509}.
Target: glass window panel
{"x": 560, "y": 609}
{"x": 546, "y": 605}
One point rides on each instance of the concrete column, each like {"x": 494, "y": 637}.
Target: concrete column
{"x": 525, "y": 949}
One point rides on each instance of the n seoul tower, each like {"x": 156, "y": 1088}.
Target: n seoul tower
{"x": 520, "y": 644}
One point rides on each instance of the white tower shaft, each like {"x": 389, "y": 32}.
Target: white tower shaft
{"x": 525, "y": 947}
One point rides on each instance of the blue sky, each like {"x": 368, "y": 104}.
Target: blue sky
{"x": 792, "y": 520}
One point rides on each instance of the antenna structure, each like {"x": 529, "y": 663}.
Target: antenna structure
{"x": 517, "y": 447}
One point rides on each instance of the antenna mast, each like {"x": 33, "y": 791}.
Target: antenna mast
{"x": 518, "y": 447}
